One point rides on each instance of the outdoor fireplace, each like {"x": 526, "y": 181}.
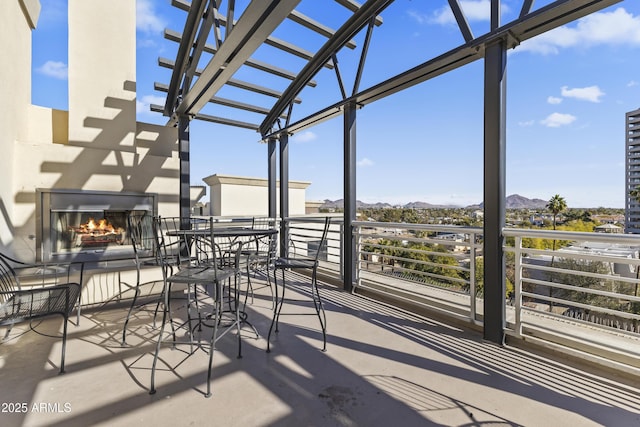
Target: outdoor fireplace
{"x": 87, "y": 225}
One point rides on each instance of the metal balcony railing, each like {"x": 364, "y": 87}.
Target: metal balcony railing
{"x": 571, "y": 288}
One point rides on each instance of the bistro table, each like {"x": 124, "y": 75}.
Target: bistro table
{"x": 205, "y": 273}
{"x": 190, "y": 236}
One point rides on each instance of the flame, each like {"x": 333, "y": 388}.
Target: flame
{"x": 102, "y": 226}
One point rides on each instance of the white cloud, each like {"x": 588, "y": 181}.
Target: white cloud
{"x": 142, "y": 105}
{"x": 474, "y": 10}
{"x": 618, "y": 27}
{"x": 365, "y": 162}
{"x": 590, "y": 93}
{"x": 632, "y": 83}
{"x": 526, "y": 123}
{"x": 556, "y": 120}
{"x": 55, "y": 69}
{"x": 418, "y": 17}
{"x": 554, "y": 100}
{"x": 146, "y": 19}
{"x": 306, "y": 136}
{"x": 145, "y": 42}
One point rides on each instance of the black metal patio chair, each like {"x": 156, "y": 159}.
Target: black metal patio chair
{"x": 47, "y": 297}
{"x": 297, "y": 262}
{"x": 206, "y": 271}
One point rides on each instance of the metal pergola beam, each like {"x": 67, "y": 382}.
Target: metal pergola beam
{"x": 225, "y": 102}
{"x": 257, "y": 22}
{"x": 350, "y": 28}
{"x": 253, "y": 63}
{"x": 213, "y": 119}
{"x": 535, "y": 23}
{"x": 295, "y": 16}
{"x": 317, "y": 27}
{"x": 353, "y": 6}
{"x": 280, "y": 44}
{"x": 182, "y": 59}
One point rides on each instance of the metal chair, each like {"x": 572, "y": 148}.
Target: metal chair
{"x": 261, "y": 254}
{"x": 18, "y": 304}
{"x": 141, "y": 234}
{"x": 301, "y": 263}
{"x": 203, "y": 270}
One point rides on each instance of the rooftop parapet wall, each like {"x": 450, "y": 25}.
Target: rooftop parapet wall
{"x": 247, "y": 196}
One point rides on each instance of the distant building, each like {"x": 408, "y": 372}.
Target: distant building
{"x": 632, "y": 171}
{"x": 246, "y": 196}
{"x": 608, "y": 228}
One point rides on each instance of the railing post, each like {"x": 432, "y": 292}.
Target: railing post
{"x": 358, "y": 235}
{"x": 518, "y": 284}
{"x": 342, "y": 254}
{"x": 472, "y": 277}
{"x": 284, "y": 194}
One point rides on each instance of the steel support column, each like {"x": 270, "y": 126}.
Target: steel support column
{"x": 284, "y": 193}
{"x": 494, "y": 190}
{"x": 185, "y": 167}
{"x": 349, "y": 248}
{"x": 271, "y": 177}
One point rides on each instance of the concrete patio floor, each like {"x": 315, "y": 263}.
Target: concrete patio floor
{"x": 383, "y": 367}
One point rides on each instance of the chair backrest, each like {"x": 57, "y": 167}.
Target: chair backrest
{"x": 263, "y": 223}
{"x": 265, "y": 245}
{"x": 140, "y": 229}
{"x": 176, "y": 249}
{"x": 164, "y": 258}
{"x": 323, "y": 240}
{"x": 8, "y": 282}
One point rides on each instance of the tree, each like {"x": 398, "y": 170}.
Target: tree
{"x": 556, "y": 205}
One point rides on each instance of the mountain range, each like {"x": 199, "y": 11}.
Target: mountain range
{"x": 514, "y": 201}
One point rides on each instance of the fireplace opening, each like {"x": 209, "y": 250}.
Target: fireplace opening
{"x": 81, "y": 231}
{"x": 90, "y": 225}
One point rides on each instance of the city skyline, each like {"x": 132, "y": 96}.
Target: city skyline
{"x": 567, "y": 94}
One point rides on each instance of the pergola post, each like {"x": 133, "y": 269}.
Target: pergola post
{"x": 185, "y": 170}
{"x": 349, "y": 248}
{"x": 494, "y": 183}
{"x": 271, "y": 177}
{"x": 284, "y": 193}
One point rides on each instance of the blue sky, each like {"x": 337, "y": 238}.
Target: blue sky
{"x": 568, "y": 91}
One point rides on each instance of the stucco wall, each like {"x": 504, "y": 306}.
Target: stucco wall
{"x": 245, "y": 196}
{"x": 97, "y": 144}
{"x": 15, "y": 91}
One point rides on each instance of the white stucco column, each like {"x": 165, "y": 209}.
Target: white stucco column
{"x": 102, "y": 73}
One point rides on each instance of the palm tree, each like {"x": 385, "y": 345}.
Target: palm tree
{"x": 557, "y": 204}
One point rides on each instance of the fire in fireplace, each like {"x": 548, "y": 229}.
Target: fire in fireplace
{"x": 89, "y": 225}
{"x": 96, "y": 233}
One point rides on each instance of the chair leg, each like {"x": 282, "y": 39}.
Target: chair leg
{"x": 317, "y": 302}
{"x": 238, "y": 282}
{"x": 126, "y": 322}
{"x": 64, "y": 344}
{"x": 273, "y": 300}
{"x": 214, "y": 335}
{"x": 249, "y": 284}
{"x": 152, "y": 389}
{"x": 6, "y": 334}
{"x": 277, "y": 308}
